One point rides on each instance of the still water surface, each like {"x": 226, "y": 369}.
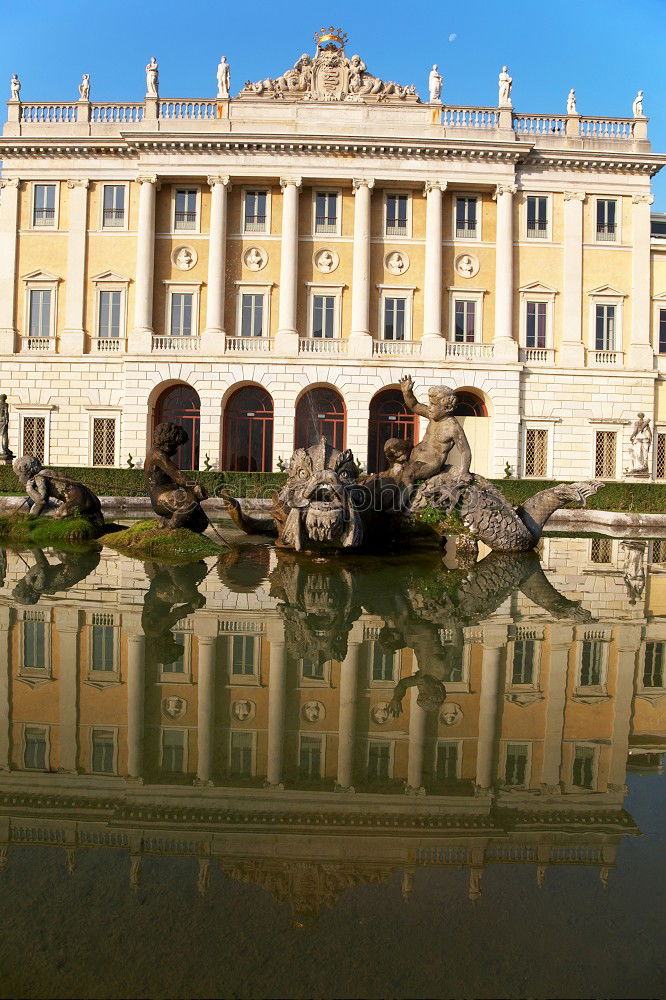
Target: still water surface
{"x": 269, "y": 776}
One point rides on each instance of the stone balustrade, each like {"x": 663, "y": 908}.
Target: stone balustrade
{"x": 322, "y": 345}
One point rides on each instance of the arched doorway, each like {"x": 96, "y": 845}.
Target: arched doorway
{"x": 180, "y": 404}
{"x": 469, "y": 404}
{"x": 320, "y": 413}
{"x": 389, "y": 418}
{"x": 248, "y": 431}
{"x": 472, "y": 413}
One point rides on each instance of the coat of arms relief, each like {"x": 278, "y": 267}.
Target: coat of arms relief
{"x": 329, "y": 75}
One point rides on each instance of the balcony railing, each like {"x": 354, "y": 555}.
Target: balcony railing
{"x": 188, "y": 109}
{"x": 606, "y": 232}
{"x": 396, "y": 348}
{"x": 469, "y": 351}
{"x": 537, "y": 355}
{"x": 185, "y": 220}
{"x": 322, "y": 345}
{"x": 539, "y": 124}
{"x": 110, "y": 114}
{"x": 43, "y": 217}
{"x": 255, "y": 223}
{"x": 38, "y": 344}
{"x": 326, "y": 225}
{"x": 249, "y": 345}
{"x": 608, "y": 358}
{"x": 476, "y": 118}
{"x": 177, "y": 345}
{"x": 108, "y": 345}
{"x": 396, "y": 228}
{"x": 113, "y": 217}
{"x": 465, "y": 232}
{"x": 537, "y": 230}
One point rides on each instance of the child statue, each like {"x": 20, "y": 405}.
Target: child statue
{"x": 174, "y": 500}
{"x": 428, "y": 458}
{"x": 42, "y": 485}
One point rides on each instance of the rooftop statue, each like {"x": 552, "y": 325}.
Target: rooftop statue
{"x": 84, "y": 87}
{"x": 45, "y": 486}
{"x": 174, "y": 500}
{"x": 571, "y": 103}
{"x": 330, "y": 75}
{"x": 435, "y": 85}
{"x": 505, "y": 85}
{"x": 15, "y": 88}
{"x": 152, "y": 78}
{"x": 637, "y": 106}
{"x": 223, "y": 79}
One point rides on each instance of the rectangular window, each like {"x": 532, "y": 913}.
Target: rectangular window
{"x": 243, "y": 652}
{"x": 604, "y": 454}
{"x": 39, "y": 320}
{"x": 43, "y": 212}
{"x": 466, "y": 228}
{"x": 383, "y": 664}
{"x": 173, "y": 750}
{"x": 536, "y": 452}
{"x": 604, "y": 329}
{"x": 516, "y": 764}
{"x": 252, "y": 314}
{"x": 379, "y": 760}
{"x": 103, "y": 648}
{"x": 662, "y": 331}
{"x": 394, "y": 319}
{"x": 660, "y": 452}
{"x": 535, "y": 332}
{"x": 396, "y": 215}
{"x": 310, "y": 757}
{"x": 523, "y": 661}
{"x": 110, "y": 304}
{"x": 103, "y": 747}
{"x": 34, "y": 752}
{"x": 592, "y": 663}
{"x": 176, "y": 666}
{"x": 653, "y": 669}
{"x": 601, "y": 550}
{"x": 242, "y": 746}
{"x": 181, "y": 314}
{"x": 583, "y": 767}
{"x": 255, "y": 218}
{"x": 326, "y": 212}
{"x": 104, "y": 441}
{"x": 34, "y": 645}
{"x": 537, "y": 217}
{"x": 447, "y": 761}
{"x": 34, "y": 437}
{"x": 658, "y": 554}
{"x": 113, "y": 207}
{"x": 186, "y": 209}
{"x": 313, "y": 670}
{"x": 465, "y": 321}
{"x": 606, "y": 220}
{"x": 323, "y": 316}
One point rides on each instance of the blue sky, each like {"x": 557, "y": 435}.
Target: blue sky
{"x": 606, "y": 49}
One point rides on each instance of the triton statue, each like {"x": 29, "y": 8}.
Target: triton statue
{"x": 45, "y": 485}
{"x": 177, "y": 502}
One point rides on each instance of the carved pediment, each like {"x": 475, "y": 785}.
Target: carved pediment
{"x": 111, "y": 276}
{"x": 330, "y": 75}
{"x": 608, "y": 290}
{"x": 539, "y": 287}
{"x": 40, "y": 275}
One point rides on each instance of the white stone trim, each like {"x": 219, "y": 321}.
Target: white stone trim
{"x": 324, "y": 189}
{"x": 263, "y": 184}
{"x": 658, "y": 304}
{"x": 36, "y": 411}
{"x": 38, "y": 281}
{"x": 47, "y": 739}
{"x": 95, "y": 413}
{"x": 56, "y": 215}
{"x": 101, "y": 727}
{"x": 405, "y": 292}
{"x": 538, "y": 424}
{"x": 479, "y": 217}
{"x": 537, "y": 292}
{"x": 320, "y": 736}
{"x": 334, "y": 290}
{"x": 504, "y": 753}
{"x": 262, "y": 288}
{"x": 467, "y": 295}
{"x": 114, "y": 229}
{"x": 110, "y": 282}
{"x": 548, "y": 238}
{"x": 252, "y": 733}
{"x": 609, "y": 296}
{"x": 184, "y": 186}
{"x": 617, "y": 198}
{"x": 187, "y": 288}
{"x": 175, "y": 729}
{"x": 385, "y": 195}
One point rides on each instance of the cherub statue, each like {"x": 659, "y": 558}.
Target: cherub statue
{"x": 177, "y": 502}
{"x": 15, "y": 88}
{"x": 52, "y": 578}
{"x": 43, "y": 485}
{"x": 84, "y": 88}
{"x": 396, "y": 453}
{"x": 428, "y": 458}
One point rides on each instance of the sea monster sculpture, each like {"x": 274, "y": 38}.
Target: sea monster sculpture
{"x": 174, "y": 500}
{"x": 42, "y": 485}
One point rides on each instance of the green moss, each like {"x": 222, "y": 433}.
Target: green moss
{"x": 45, "y": 531}
{"x": 449, "y": 523}
{"x": 149, "y": 540}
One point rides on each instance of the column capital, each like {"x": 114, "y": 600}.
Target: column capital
{"x": 223, "y": 179}
{"x": 434, "y": 186}
{"x": 75, "y": 182}
{"x": 14, "y": 182}
{"x": 575, "y": 196}
{"x": 501, "y": 189}
{"x": 148, "y": 179}
{"x": 359, "y": 182}
{"x": 296, "y": 182}
{"x": 642, "y": 199}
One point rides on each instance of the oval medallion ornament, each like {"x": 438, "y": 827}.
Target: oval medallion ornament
{"x": 380, "y": 713}
{"x": 255, "y": 258}
{"x": 396, "y": 262}
{"x": 326, "y": 261}
{"x": 174, "y": 707}
{"x": 184, "y": 258}
{"x": 313, "y": 711}
{"x": 451, "y": 713}
{"x": 467, "y": 265}
{"x": 243, "y": 710}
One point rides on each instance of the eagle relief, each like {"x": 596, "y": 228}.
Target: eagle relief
{"x": 330, "y": 75}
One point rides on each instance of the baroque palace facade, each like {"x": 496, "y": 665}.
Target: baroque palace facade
{"x": 265, "y": 268}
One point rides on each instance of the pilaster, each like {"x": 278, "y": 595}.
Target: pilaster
{"x": 286, "y": 340}
{"x": 72, "y": 336}
{"x": 360, "y": 337}
{"x": 572, "y": 351}
{"x": 67, "y": 625}
{"x": 433, "y": 346}
{"x": 140, "y": 339}
{"x": 213, "y": 336}
{"x": 9, "y": 202}
{"x": 506, "y": 347}
{"x": 641, "y": 352}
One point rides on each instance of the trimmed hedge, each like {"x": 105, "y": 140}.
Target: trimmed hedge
{"x": 643, "y": 498}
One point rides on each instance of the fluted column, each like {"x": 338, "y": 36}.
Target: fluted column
{"x": 572, "y": 350}
{"x": 417, "y": 728}
{"x": 494, "y": 641}
{"x": 287, "y": 335}
{"x": 136, "y": 697}
{"x": 627, "y": 642}
{"x": 347, "y": 717}
{"x": 213, "y": 336}
{"x": 560, "y": 638}
{"x": 140, "y": 338}
{"x": 277, "y": 689}
{"x": 5, "y": 675}
{"x": 641, "y": 352}
{"x": 360, "y": 336}
{"x": 9, "y": 202}
{"x": 206, "y": 708}
{"x": 67, "y": 625}
{"x": 71, "y": 339}
{"x": 506, "y": 347}
{"x": 433, "y": 345}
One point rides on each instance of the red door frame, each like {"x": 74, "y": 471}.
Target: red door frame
{"x": 316, "y": 417}
{"x": 388, "y": 417}
{"x": 174, "y": 407}
{"x": 248, "y": 417}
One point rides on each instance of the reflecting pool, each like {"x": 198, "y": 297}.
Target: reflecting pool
{"x": 274, "y": 776}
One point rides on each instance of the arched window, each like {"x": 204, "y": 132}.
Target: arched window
{"x": 180, "y": 404}
{"x": 248, "y": 431}
{"x": 320, "y": 413}
{"x": 469, "y": 404}
{"x": 389, "y": 418}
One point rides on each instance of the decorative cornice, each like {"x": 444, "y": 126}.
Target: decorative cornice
{"x": 296, "y": 182}
{"x": 75, "y": 182}
{"x": 359, "y": 182}
{"x": 434, "y": 186}
{"x": 594, "y": 161}
{"x": 575, "y": 196}
{"x": 642, "y": 199}
{"x": 222, "y": 179}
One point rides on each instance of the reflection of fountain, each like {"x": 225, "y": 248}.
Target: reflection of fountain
{"x": 172, "y": 596}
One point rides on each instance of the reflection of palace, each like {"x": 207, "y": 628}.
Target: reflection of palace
{"x": 238, "y": 745}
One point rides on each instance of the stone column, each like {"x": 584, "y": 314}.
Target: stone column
{"x": 5, "y": 681}
{"x": 434, "y": 345}
{"x": 641, "y": 352}
{"x": 136, "y": 697}
{"x": 506, "y": 347}
{"x": 140, "y": 340}
{"x": 213, "y": 337}
{"x": 206, "y": 708}
{"x": 67, "y": 625}
{"x": 417, "y": 727}
{"x": 572, "y": 350}
{"x": 277, "y": 689}
{"x": 286, "y": 341}
{"x": 360, "y": 336}
{"x": 71, "y": 339}
{"x": 561, "y": 637}
{"x": 9, "y": 202}
{"x": 627, "y": 642}
{"x": 494, "y": 641}
{"x": 347, "y": 717}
